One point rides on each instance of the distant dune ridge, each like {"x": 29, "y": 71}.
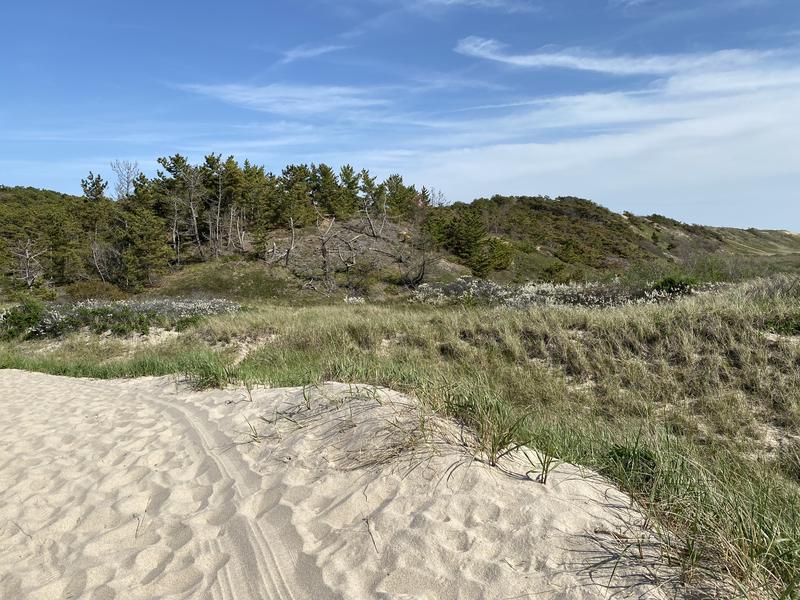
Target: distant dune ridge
{"x": 143, "y": 489}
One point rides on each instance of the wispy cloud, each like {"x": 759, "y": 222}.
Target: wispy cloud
{"x": 628, "y": 4}
{"x": 511, "y": 6}
{"x": 306, "y": 51}
{"x": 395, "y": 9}
{"x": 707, "y": 5}
{"x": 292, "y": 100}
{"x": 494, "y": 50}
{"x": 696, "y": 136}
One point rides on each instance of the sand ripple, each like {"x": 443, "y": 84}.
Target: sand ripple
{"x": 145, "y": 489}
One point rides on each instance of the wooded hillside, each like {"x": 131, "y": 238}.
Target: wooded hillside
{"x": 330, "y": 229}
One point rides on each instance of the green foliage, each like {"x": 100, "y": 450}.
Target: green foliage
{"x": 94, "y": 187}
{"x": 789, "y": 460}
{"x": 784, "y": 325}
{"x": 328, "y": 194}
{"x": 675, "y": 285}
{"x": 350, "y": 183}
{"x": 19, "y": 320}
{"x": 93, "y": 290}
{"x": 496, "y": 254}
{"x": 42, "y": 293}
{"x": 33, "y": 319}
{"x": 634, "y": 465}
{"x": 144, "y": 252}
{"x": 120, "y": 322}
{"x": 462, "y": 231}
{"x": 403, "y": 201}
{"x": 237, "y": 280}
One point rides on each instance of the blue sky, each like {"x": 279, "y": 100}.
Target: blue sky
{"x": 685, "y": 108}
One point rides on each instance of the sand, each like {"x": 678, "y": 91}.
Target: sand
{"x": 144, "y": 489}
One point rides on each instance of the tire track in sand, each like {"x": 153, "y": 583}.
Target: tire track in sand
{"x": 260, "y": 547}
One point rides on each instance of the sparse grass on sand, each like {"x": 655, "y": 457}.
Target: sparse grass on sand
{"x": 693, "y": 407}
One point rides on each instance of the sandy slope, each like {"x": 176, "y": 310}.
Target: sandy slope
{"x": 140, "y": 489}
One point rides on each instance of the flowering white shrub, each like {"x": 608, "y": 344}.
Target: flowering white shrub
{"x": 119, "y": 317}
{"x": 176, "y": 309}
{"x": 596, "y": 295}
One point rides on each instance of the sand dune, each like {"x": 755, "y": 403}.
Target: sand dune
{"x": 146, "y": 489}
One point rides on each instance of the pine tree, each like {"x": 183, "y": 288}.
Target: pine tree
{"x": 350, "y": 182}
{"x": 401, "y": 199}
{"x": 327, "y": 194}
{"x": 94, "y": 187}
{"x": 294, "y": 203}
{"x": 145, "y": 253}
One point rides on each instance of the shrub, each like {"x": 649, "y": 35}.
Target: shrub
{"x": 93, "y": 290}
{"x": 676, "y": 285}
{"x": 41, "y": 292}
{"x": 470, "y": 290}
{"x": 34, "y": 319}
{"x": 19, "y": 320}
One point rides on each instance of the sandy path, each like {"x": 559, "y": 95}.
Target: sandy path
{"x": 139, "y": 489}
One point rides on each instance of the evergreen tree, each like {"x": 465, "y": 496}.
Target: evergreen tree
{"x": 350, "y": 182}
{"x": 327, "y": 194}
{"x": 94, "y": 187}
{"x": 466, "y": 233}
{"x": 294, "y": 202}
{"x": 373, "y": 203}
{"x": 142, "y": 244}
{"x": 401, "y": 199}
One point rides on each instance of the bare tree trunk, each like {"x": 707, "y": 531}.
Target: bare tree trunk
{"x": 176, "y": 235}
{"x": 195, "y": 229}
{"x": 324, "y": 238}
{"x": 291, "y": 244}
{"x": 193, "y": 181}
{"x": 230, "y": 228}
{"x": 349, "y": 260}
{"x": 374, "y": 231}
{"x": 126, "y": 173}
{"x": 272, "y": 256}
{"x": 30, "y": 270}
{"x": 240, "y": 233}
{"x": 218, "y": 218}
{"x": 97, "y": 260}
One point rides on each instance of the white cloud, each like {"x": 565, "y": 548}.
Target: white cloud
{"x": 306, "y": 51}
{"x": 512, "y": 6}
{"x": 291, "y": 100}
{"x": 627, "y": 4}
{"x": 704, "y": 145}
{"x": 493, "y": 50}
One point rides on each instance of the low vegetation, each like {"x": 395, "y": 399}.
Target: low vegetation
{"x": 691, "y": 405}
{"x": 35, "y": 319}
{"x": 470, "y": 290}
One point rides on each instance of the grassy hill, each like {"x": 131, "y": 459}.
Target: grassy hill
{"x": 571, "y": 238}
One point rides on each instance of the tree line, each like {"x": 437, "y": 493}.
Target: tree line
{"x": 311, "y": 219}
